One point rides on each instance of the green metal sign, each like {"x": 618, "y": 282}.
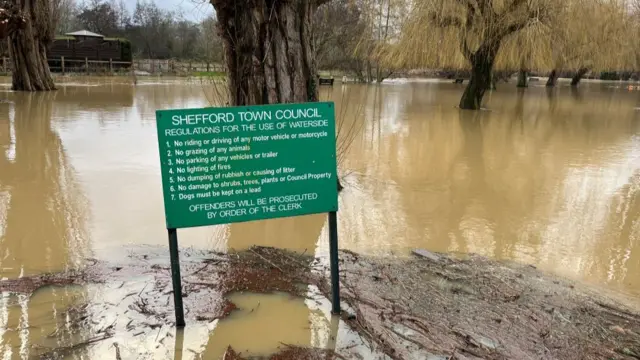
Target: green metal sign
{"x": 225, "y": 165}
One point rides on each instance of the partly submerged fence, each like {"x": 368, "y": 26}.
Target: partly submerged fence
{"x": 152, "y": 66}
{"x": 177, "y": 66}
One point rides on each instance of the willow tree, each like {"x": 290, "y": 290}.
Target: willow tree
{"x": 30, "y": 29}
{"x": 527, "y": 50}
{"x": 634, "y": 38}
{"x": 475, "y": 28}
{"x": 594, "y": 37}
{"x": 382, "y": 21}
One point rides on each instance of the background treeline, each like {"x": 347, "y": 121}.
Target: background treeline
{"x": 374, "y": 39}
{"x": 157, "y": 33}
{"x": 154, "y": 33}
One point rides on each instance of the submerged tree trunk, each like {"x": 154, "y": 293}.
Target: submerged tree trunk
{"x": 369, "y": 72}
{"x": 269, "y": 51}
{"x": 578, "y": 76}
{"x": 522, "y": 79}
{"x": 28, "y": 47}
{"x": 553, "y": 78}
{"x": 480, "y": 80}
{"x": 379, "y": 75}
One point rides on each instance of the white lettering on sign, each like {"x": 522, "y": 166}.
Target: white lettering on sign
{"x": 202, "y": 119}
{"x": 297, "y": 114}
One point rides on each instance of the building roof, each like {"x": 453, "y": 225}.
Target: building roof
{"x": 84, "y": 33}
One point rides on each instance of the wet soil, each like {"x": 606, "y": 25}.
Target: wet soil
{"x": 478, "y": 308}
{"x": 430, "y": 306}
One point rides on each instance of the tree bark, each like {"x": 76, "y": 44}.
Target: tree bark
{"x": 480, "y": 80}
{"x": 268, "y": 50}
{"x": 578, "y": 76}
{"x": 28, "y": 47}
{"x": 522, "y": 79}
{"x": 553, "y": 78}
{"x": 269, "y": 53}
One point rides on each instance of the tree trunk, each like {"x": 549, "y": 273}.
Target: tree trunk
{"x": 369, "y": 72}
{"x": 578, "y": 76}
{"x": 553, "y": 78}
{"x": 480, "y": 80}
{"x": 522, "y": 79}
{"x": 28, "y": 48}
{"x": 269, "y": 51}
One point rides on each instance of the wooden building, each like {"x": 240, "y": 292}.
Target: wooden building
{"x": 79, "y": 48}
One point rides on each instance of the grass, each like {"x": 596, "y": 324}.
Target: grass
{"x": 209, "y": 73}
{"x": 115, "y": 39}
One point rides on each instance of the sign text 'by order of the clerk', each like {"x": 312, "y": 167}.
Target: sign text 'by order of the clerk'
{"x": 224, "y": 165}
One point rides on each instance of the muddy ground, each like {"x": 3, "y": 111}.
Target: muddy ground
{"x": 429, "y": 306}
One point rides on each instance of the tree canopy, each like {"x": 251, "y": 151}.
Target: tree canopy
{"x": 540, "y": 35}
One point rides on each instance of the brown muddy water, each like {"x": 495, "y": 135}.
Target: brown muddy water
{"x": 546, "y": 177}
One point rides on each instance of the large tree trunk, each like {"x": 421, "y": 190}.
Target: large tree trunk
{"x": 269, "y": 51}
{"x": 480, "y": 80}
{"x": 522, "y": 79}
{"x": 578, "y": 76}
{"x": 28, "y": 47}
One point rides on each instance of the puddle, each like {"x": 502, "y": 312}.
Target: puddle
{"x": 267, "y": 323}
{"x": 261, "y": 326}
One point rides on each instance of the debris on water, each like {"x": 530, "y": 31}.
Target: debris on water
{"x": 30, "y": 284}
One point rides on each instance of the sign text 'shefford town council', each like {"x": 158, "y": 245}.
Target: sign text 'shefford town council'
{"x": 224, "y": 165}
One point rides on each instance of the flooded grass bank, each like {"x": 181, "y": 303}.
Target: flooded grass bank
{"x": 429, "y": 306}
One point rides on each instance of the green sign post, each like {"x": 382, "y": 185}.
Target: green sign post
{"x": 236, "y": 164}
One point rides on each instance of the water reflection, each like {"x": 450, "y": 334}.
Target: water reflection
{"x": 42, "y": 224}
{"x": 299, "y": 234}
{"x": 533, "y": 179}
{"x": 42, "y": 324}
{"x": 44, "y": 208}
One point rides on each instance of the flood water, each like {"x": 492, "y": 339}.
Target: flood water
{"x": 545, "y": 177}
